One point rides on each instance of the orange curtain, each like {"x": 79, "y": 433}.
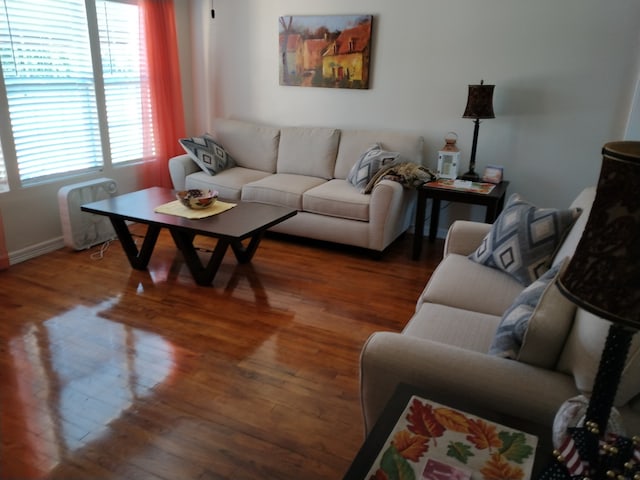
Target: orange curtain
{"x": 163, "y": 71}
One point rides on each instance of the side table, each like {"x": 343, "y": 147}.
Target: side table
{"x": 494, "y": 201}
{"x": 526, "y": 440}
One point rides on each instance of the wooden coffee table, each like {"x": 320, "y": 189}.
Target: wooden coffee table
{"x": 247, "y": 220}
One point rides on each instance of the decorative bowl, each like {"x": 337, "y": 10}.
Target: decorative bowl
{"x": 197, "y": 199}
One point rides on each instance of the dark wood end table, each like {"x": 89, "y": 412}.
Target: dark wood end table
{"x": 385, "y": 424}
{"x": 494, "y": 201}
{"x": 247, "y": 220}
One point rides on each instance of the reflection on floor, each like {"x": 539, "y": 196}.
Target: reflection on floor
{"x": 69, "y": 398}
{"x": 111, "y": 373}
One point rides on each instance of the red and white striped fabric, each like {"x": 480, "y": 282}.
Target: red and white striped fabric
{"x": 575, "y": 465}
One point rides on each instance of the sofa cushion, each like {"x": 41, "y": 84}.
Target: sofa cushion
{"x": 251, "y": 145}
{"x": 549, "y": 326}
{"x": 534, "y": 329}
{"x": 453, "y": 326}
{"x": 228, "y": 183}
{"x": 337, "y": 198}
{"x": 524, "y": 238}
{"x": 308, "y": 151}
{"x": 353, "y": 142}
{"x": 210, "y": 156}
{"x": 369, "y": 163}
{"x": 280, "y": 189}
{"x": 459, "y": 282}
{"x": 582, "y": 352}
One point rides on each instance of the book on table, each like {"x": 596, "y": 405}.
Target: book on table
{"x": 431, "y": 441}
{"x": 462, "y": 185}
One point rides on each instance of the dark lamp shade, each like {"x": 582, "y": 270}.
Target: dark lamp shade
{"x": 479, "y": 102}
{"x": 603, "y": 276}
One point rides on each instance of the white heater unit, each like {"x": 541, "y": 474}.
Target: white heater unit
{"x": 82, "y": 230}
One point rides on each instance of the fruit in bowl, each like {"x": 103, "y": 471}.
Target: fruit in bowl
{"x": 197, "y": 199}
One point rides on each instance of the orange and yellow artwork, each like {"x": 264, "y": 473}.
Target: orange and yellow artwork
{"x": 332, "y": 51}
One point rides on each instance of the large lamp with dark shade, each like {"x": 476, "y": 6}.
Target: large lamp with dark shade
{"x": 479, "y": 106}
{"x": 603, "y": 278}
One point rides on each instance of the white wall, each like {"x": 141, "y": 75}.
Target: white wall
{"x": 565, "y": 74}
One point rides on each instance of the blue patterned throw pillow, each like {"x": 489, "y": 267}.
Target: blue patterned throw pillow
{"x": 210, "y": 156}
{"x": 515, "y": 321}
{"x": 524, "y": 238}
{"x": 368, "y": 165}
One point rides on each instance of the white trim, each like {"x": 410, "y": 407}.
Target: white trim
{"x": 34, "y": 251}
{"x": 633, "y": 122}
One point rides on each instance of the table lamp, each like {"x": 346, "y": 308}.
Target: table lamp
{"x": 479, "y": 105}
{"x": 603, "y": 278}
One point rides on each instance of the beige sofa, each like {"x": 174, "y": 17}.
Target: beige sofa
{"x": 443, "y": 350}
{"x": 306, "y": 168}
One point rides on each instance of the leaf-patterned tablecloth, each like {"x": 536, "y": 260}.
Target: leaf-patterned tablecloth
{"x": 434, "y": 442}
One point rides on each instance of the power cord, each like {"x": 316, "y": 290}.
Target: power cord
{"x": 99, "y": 255}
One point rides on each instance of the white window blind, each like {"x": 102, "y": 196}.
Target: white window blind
{"x": 46, "y": 57}
{"x": 46, "y": 62}
{"x": 125, "y": 80}
{"x": 4, "y": 184}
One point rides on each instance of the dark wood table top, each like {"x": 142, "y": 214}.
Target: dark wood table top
{"x": 242, "y": 221}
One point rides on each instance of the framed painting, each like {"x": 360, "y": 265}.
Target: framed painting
{"x": 331, "y": 51}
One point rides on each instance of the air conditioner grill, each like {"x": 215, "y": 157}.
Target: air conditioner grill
{"x": 82, "y": 230}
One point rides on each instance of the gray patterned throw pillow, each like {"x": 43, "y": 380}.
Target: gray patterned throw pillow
{"x": 524, "y": 238}
{"x": 515, "y": 321}
{"x": 369, "y": 163}
{"x": 210, "y": 156}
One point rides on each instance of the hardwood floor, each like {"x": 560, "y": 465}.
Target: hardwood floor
{"x": 112, "y": 373}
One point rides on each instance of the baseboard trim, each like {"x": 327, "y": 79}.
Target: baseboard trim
{"x": 36, "y": 250}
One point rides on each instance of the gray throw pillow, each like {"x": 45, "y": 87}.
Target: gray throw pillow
{"x": 515, "y": 321}
{"x": 368, "y": 165}
{"x": 210, "y": 156}
{"x": 524, "y": 238}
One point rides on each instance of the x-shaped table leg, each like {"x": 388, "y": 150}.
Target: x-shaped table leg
{"x": 203, "y": 275}
{"x": 139, "y": 259}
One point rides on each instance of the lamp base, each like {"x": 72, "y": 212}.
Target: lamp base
{"x": 470, "y": 175}
{"x": 590, "y": 446}
{"x": 589, "y": 455}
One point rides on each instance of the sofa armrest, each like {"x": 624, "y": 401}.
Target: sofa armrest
{"x": 179, "y": 167}
{"x": 389, "y": 213}
{"x": 468, "y": 380}
{"x": 464, "y": 236}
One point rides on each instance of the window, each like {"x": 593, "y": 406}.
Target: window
{"x": 127, "y": 95}
{"x": 4, "y": 184}
{"x": 68, "y": 112}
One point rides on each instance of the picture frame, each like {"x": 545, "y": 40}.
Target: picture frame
{"x": 493, "y": 174}
{"x": 332, "y": 51}
{"x": 448, "y": 164}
